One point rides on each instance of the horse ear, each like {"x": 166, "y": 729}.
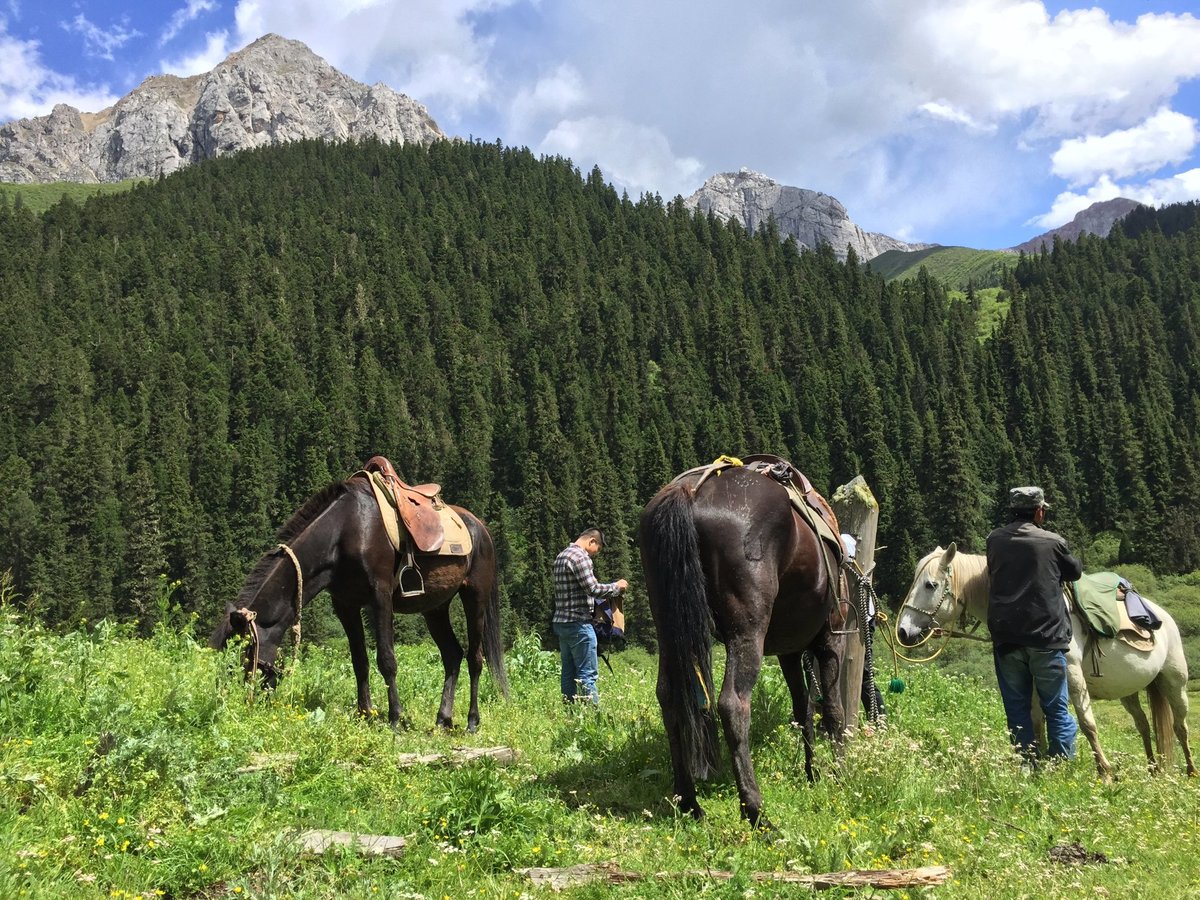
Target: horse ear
{"x": 949, "y": 554}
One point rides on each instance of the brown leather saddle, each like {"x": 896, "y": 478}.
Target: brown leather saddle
{"x": 416, "y": 504}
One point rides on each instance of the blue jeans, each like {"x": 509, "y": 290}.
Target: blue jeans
{"x": 1018, "y": 671}
{"x": 577, "y": 644}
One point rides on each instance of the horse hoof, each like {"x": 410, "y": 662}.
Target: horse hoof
{"x": 762, "y": 826}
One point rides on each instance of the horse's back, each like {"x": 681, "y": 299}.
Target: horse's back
{"x": 769, "y": 560}
{"x": 1112, "y": 669}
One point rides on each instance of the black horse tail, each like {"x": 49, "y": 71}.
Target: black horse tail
{"x": 493, "y": 645}
{"x": 678, "y": 598}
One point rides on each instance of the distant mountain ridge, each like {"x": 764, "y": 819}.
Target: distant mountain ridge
{"x": 811, "y": 217}
{"x": 1097, "y": 219}
{"x": 271, "y": 91}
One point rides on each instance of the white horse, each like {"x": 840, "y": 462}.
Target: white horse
{"x": 949, "y": 584}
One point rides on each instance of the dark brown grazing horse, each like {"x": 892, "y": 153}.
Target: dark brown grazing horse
{"x": 732, "y": 559}
{"x": 338, "y": 542}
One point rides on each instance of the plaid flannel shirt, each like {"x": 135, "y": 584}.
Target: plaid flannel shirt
{"x": 575, "y": 586}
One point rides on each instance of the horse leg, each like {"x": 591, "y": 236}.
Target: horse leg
{"x": 1133, "y": 705}
{"x": 443, "y": 635}
{"x": 474, "y": 610}
{"x": 833, "y": 717}
{"x": 792, "y": 666}
{"x": 352, "y": 624}
{"x": 743, "y": 659}
{"x": 385, "y": 654}
{"x": 1082, "y": 701}
{"x": 684, "y": 788}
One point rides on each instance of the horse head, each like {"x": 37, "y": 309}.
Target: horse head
{"x": 261, "y": 615}
{"x": 931, "y": 601}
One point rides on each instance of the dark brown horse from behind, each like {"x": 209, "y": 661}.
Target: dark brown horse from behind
{"x": 337, "y": 542}
{"x": 730, "y": 558}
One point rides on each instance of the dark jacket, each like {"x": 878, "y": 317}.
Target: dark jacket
{"x": 1027, "y": 566}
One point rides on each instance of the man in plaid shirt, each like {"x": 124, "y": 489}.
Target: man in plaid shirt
{"x": 576, "y": 591}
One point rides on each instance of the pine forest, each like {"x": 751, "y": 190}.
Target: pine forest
{"x": 187, "y": 361}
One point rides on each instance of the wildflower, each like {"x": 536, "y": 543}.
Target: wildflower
{"x": 103, "y": 816}
{"x": 120, "y": 820}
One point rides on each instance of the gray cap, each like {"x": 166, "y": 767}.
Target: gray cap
{"x": 1027, "y": 499}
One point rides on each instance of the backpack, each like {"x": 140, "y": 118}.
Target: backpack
{"x": 609, "y": 623}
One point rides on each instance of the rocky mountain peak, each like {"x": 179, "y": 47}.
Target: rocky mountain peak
{"x": 811, "y": 217}
{"x": 1097, "y": 219}
{"x": 270, "y": 91}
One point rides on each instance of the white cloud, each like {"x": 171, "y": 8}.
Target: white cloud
{"x": 1075, "y": 71}
{"x": 956, "y": 116}
{"x": 181, "y": 17}
{"x": 556, "y": 94}
{"x": 97, "y": 41}
{"x": 633, "y": 157}
{"x": 1165, "y": 138}
{"x": 28, "y": 88}
{"x": 216, "y": 48}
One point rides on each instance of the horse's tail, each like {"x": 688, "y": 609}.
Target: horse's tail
{"x": 676, "y": 585}
{"x": 1164, "y": 722}
{"x": 493, "y": 645}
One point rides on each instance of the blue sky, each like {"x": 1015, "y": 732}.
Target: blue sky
{"x": 973, "y": 122}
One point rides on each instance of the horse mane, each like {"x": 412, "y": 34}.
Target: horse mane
{"x": 313, "y": 507}
{"x": 973, "y": 579}
{"x": 968, "y": 572}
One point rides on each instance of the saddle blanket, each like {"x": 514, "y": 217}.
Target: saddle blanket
{"x": 1106, "y": 614}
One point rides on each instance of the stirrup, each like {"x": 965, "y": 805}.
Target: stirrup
{"x": 410, "y": 565}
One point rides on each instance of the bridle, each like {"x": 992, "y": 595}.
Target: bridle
{"x": 960, "y": 629}
{"x": 250, "y": 616}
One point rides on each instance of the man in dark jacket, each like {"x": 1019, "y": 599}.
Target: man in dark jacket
{"x": 1029, "y": 622}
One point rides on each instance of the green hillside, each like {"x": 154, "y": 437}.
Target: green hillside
{"x": 40, "y": 197}
{"x": 189, "y": 360}
{"x": 956, "y": 266}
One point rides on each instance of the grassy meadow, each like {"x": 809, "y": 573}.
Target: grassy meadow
{"x": 40, "y": 197}
{"x": 139, "y": 767}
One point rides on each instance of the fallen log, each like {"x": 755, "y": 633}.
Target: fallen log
{"x": 261, "y": 762}
{"x": 586, "y": 873}
{"x": 316, "y": 841}
{"x": 460, "y": 756}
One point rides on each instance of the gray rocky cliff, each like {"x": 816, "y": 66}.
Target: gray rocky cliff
{"x": 1098, "y": 219}
{"x": 812, "y": 218}
{"x": 272, "y": 91}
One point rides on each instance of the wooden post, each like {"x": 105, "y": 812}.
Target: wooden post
{"x": 857, "y": 512}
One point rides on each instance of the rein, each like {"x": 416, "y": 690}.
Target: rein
{"x": 299, "y": 598}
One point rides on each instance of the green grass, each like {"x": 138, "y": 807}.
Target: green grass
{"x": 120, "y": 759}
{"x": 40, "y": 197}
{"x": 956, "y": 266}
